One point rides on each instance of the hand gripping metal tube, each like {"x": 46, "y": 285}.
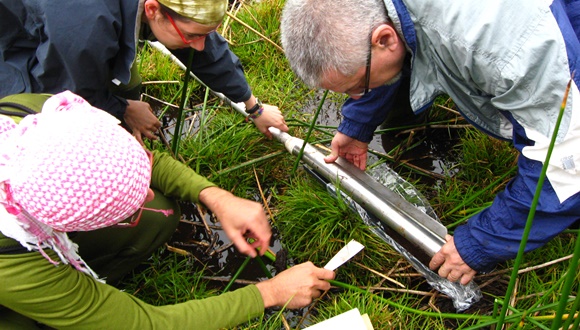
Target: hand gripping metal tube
{"x": 415, "y": 226}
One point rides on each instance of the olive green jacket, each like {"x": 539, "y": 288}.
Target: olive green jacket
{"x": 64, "y": 298}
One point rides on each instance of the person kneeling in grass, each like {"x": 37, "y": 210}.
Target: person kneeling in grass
{"x": 82, "y": 202}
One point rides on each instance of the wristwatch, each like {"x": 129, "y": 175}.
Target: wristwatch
{"x": 255, "y": 108}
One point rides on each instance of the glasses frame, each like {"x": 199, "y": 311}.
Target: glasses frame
{"x": 181, "y": 35}
{"x": 368, "y": 69}
{"x": 136, "y": 217}
{"x": 366, "y": 90}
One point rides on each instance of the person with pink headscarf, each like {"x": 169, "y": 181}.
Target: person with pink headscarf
{"x": 82, "y": 203}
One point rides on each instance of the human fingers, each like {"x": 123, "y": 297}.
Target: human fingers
{"x": 321, "y": 286}
{"x": 148, "y": 133}
{"x": 332, "y": 157}
{"x": 337, "y": 147}
{"x": 437, "y": 260}
{"x": 363, "y": 163}
{"x": 262, "y": 125}
{"x": 152, "y": 122}
{"x": 156, "y": 124}
{"x": 454, "y": 275}
{"x": 326, "y": 274}
{"x": 258, "y": 230}
{"x": 462, "y": 275}
{"x": 268, "y": 134}
{"x": 444, "y": 271}
{"x": 260, "y": 246}
{"x": 261, "y": 242}
{"x": 359, "y": 161}
{"x": 283, "y": 126}
{"x": 243, "y": 246}
{"x": 280, "y": 120}
{"x": 239, "y": 235}
{"x": 137, "y": 135}
{"x": 271, "y": 118}
{"x": 318, "y": 272}
{"x": 316, "y": 286}
{"x": 466, "y": 278}
{"x": 347, "y": 156}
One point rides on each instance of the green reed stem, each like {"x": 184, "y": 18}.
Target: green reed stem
{"x": 237, "y": 274}
{"x": 570, "y": 281}
{"x": 178, "y": 124}
{"x": 263, "y": 266}
{"x": 312, "y": 124}
{"x": 531, "y": 214}
{"x": 268, "y": 254}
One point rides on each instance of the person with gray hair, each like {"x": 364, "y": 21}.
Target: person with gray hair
{"x": 505, "y": 64}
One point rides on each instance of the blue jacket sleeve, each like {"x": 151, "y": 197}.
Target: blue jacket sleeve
{"x": 361, "y": 117}
{"x": 54, "y": 49}
{"x": 573, "y": 13}
{"x": 219, "y": 68}
{"x": 494, "y": 235}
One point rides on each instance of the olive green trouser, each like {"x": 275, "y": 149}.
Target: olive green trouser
{"x": 113, "y": 252}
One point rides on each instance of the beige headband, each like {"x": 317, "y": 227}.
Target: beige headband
{"x": 206, "y": 12}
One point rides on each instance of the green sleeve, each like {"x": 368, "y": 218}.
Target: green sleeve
{"x": 64, "y": 298}
{"x": 174, "y": 179}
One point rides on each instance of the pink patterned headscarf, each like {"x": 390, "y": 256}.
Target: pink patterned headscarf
{"x": 69, "y": 168}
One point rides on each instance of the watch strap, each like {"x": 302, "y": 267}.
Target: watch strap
{"x": 255, "y": 108}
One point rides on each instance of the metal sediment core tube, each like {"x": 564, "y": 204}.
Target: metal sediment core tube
{"x": 394, "y": 211}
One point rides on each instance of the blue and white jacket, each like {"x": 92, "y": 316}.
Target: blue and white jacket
{"x": 506, "y": 65}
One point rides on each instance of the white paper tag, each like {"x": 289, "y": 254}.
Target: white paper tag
{"x": 348, "y": 251}
{"x": 350, "y": 320}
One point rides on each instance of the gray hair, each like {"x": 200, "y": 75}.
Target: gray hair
{"x": 321, "y": 36}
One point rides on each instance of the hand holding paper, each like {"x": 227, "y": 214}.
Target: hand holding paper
{"x": 298, "y": 285}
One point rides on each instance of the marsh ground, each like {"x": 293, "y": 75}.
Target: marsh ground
{"x": 456, "y": 168}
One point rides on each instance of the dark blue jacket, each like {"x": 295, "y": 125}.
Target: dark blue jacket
{"x": 48, "y": 46}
